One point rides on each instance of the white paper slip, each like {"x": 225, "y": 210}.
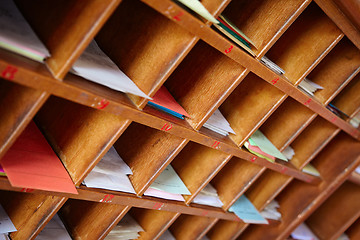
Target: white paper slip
{"x": 218, "y": 123}
{"x": 288, "y": 152}
{"x": 16, "y": 34}
{"x": 120, "y": 182}
{"x": 112, "y": 164}
{"x": 96, "y": 66}
{"x": 270, "y": 211}
{"x": 152, "y": 192}
{"x": 54, "y": 230}
{"x": 197, "y": 7}
{"x": 169, "y": 181}
{"x": 209, "y": 190}
{"x": 167, "y": 236}
{"x": 4, "y": 236}
{"x": 303, "y": 232}
{"x": 127, "y": 224}
{"x": 208, "y": 200}
{"x": 343, "y": 237}
{"x": 6, "y": 224}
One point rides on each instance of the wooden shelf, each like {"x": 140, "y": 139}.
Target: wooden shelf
{"x": 159, "y": 43}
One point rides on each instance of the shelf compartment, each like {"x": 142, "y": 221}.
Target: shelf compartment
{"x": 354, "y": 231}
{"x": 79, "y": 135}
{"x": 249, "y": 105}
{"x": 311, "y": 141}
{"x": 91, "y": 220}
{"x": 203, "y": 73}
{"x": 153, "y": 222}
{"x": 145, "y": 45}
{"x": 19, "y": 105}
{"x": 234, "y": 179}
{"x": 29, "y": 212}
{"x": 147, "y": 152}
{"x": 190, "y": 227}
{"x": 277, "y": 128}
{"x": 348, "y": 100}
{"x": 336, "y": 70}
{"x": 66, "y": 27}
{"x": 299, "y": 200}
{"x": 304, "y": 42}
{"x": 203, "y": 161}
{"x": 337, "y": 213}
{"x": 264, "y": 21}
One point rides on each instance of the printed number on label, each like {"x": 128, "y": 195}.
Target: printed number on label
{"x": 9, "y": 72}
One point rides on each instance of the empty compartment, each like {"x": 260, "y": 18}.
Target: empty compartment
{"x": 79, "y": 135}
{"x": 262, "y": 20}
{"x": 308, "y": 38}
{"x": 188, "y": 227}
{"x": 337, "y": 213}
{"x": 249, "y": 105}
{"x": 234, "y": 179}
{"x": 19, "y": 105}
{"x": 144, "y": 44}
{"x": 336, "y": 70}
{"x": 147, "y": 152}
{"x": 202, "y": 81}
{"x": 196, "y": 165}
{"x": 91, "y": 220}
{"x": 154, "y": 222}
{"x": 66, "y": 27}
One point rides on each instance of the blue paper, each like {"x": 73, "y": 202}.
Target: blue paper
{"x": 244, "y": 209}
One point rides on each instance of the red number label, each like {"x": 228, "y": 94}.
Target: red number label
{"x": 333, "y": 119}
{"x": 283, "y": 170}
{"x": 158, "y": 206}
{"x": 107, "y": 198}
{"x": 27, "y": 190}
{"x": 215, "y": 144}
{"x": 308, "y": 101}
{"x": 9, "y": 72}
{"x": 204, "y": 213}
{"x": 167, "y": 127}
{"x": 103, "y": 104}
{"x": 177, "y": 17}
{"x": 355, "y": 132}
{"x": 253, "y": 159}
{"x": 238, "y": 219}
{"x": 229, "y": 49}
{"x": 274, "y": 81}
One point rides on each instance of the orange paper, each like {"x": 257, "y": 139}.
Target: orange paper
{"x": 31, "y": 163}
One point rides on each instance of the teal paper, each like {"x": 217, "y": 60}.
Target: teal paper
{"x": 258, "y": 139}
{"x": 244, "y": 209}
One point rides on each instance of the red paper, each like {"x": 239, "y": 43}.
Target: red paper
{"x": 31, "y": 163}
{"x": 164, "y": 98}
{"x": 258, "y": 150}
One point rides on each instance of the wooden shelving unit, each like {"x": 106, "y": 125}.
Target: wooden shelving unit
{"x": 159, "y": 43}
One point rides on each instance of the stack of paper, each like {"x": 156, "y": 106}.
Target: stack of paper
{"x": 208, "y": 196}
{"x": 127, "y": 228}
{"x": 16, "y": 34}
{"x": 270, "y": 64}
{"x": 235, "y": 34}
{"x": 198, "y": 8}
{"x": 259, "y": 145}
{"x": 219, "y": 124}
{"x": 6, "y": 224}
{"x": 96, "y": 66}
{"x": 168, "y": 185}
{"x": 337, "y": 111}
{"x": 357, "y": 170}
{"x": 271, "y": 212}
{"x": 110, "y": 173}
{"x": 288, "y": 152}
{"x": 244, "y": 209}
{"x": 31, "y": 163}
{"x": 303, "y": 232}
{"x": 165, "y": 102}
{"x": 343, "y": 237}
{"x": 310, "y": 169}
{"x": 54, "y": 230}
{"x": 167, "y": 236}
{"x": 309, "y": 86}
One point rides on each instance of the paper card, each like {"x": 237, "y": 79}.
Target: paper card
{"x": 197, "y": 7}
{"x": 4, "y": 236}
{"x": 112, "y": 164}
{"x": 244, "y": 209}
{"x": 31, "y": 163}
{"x": 209, "y": 190}
{"x": 164, "y": 99}
{"x": 258, "y": 139}
{"x": 152, "y": 192}
{"x": 208, "y": 200}
{"x": 119, "y": 182}
{"x": 54, "y": 230}
{"x": 16, "y": 34}
{"x": 169, "y": 181}
{"x": 218, "y": 121}
{"x": 310, "y": 169}
{"x": 127, "y": 224}
{"x": 303, "y": 232}
{"x": 96, "y": 66}
{"x": 257, "y": 151}
{"x": 6, "y": 224}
